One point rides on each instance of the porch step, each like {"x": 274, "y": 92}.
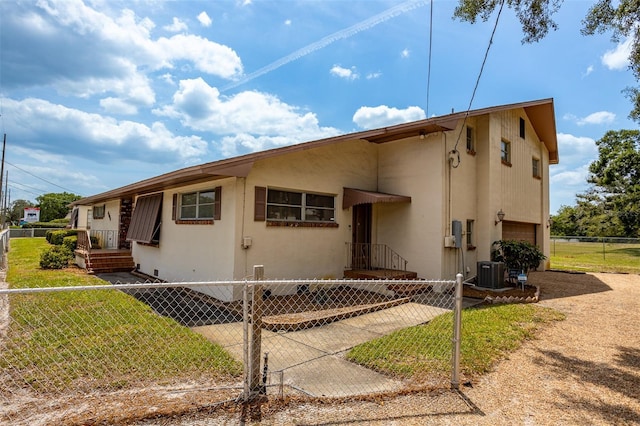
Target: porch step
{"x": 100, "y": 262}
{"x": 379, "y": 274}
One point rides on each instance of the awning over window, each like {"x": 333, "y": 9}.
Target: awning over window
{"x": 73, "y": 221}
{"x": 358, "y": 196}
{"x": 145, "y": 220}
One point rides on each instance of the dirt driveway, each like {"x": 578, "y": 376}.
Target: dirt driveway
{"x": 584, "y": 370}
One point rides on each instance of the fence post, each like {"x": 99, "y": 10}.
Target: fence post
{"x": 255, "y": 385}
{"x": 457, "y": 330}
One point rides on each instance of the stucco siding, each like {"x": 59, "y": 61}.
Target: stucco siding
{"x": 189, "y": 252}
{"x": 413, "y": 167}
{"x": 291, "y": 252}
{"x": 106, "y": 228}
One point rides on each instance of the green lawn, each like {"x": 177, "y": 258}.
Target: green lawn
{"x": 488, "y": 334}
{"x": 595, "y": 257}
{"x": 97, "y": 339}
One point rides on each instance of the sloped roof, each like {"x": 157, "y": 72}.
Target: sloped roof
{"x": 541, "y": 115}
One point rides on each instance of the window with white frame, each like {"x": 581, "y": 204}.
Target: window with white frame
{"x": 300, "y": 206}
{"x": 535, "y": 166}
{"x": 505, "y": 151}
{"x": 471, "y": 143}
{"x": 197, "y": 205}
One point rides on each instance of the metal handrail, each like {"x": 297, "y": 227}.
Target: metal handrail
{"x": 365, "y": 256}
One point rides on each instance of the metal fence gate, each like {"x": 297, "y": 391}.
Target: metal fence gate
{"x": 119, "y": 352}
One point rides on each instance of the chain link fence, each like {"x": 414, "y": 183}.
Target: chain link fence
{"x": 129, "y": 351}
{"x": 595, "y": 254}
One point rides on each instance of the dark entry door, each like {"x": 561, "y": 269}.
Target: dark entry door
{"x": 361, "y": 237}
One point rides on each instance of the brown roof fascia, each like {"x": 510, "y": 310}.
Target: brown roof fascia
{"x": 539, "y": 112}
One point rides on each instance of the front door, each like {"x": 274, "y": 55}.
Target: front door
{"x": 361, "y": 237}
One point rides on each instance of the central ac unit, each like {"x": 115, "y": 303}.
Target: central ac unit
{"x": 491, "y": 274}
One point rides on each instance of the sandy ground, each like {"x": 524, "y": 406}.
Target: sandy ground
{"x": 584, "y": 370}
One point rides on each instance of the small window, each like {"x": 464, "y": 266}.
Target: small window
{"x": 505, "y": 152}
{"x": 522, "y": 124}
{"x": 470, "y": 237}
{"x": 98, "y": 212}
{"x": 535, "y": 165}
{"x": 197, "y": 205}
{"x": 300, "y": 206}
{"x": 471, "y": 143}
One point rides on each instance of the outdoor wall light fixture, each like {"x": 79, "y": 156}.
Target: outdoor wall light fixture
{"x": 549, "y": 222}
{"x": 423, "y": 135}
{"x": 500, "y": 215}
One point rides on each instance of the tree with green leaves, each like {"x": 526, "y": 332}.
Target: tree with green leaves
{"x": 615, "y": 177}
{"x": 536, "y": 18}
{"x": 16, "y": 210}
{"x": 55, "y": 205}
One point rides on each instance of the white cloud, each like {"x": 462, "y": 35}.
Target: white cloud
{"x": 204, "y": 19}
{"x": 176, "y": 26}
{"x": 346, "y": 73}
{"x": 120, "y": 46}
{"x": 374, "y": 75}
{"x": 115, "y": 105}
{"x": 380, "y": 116}
{"x": 260, "y": 120}
{"x": 39, "y": 124}
{"x": 618, "y": 58}
{"x": 405, "y": 53}
{"x": 600, "y": 117}
{"x": 588, "y": 71}
{"x": 575, "y": 151}
{"x": 287, "y": 22}
{"x": 207, "y": 56}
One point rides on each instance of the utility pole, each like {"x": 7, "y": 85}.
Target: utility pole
{"x": 4, "y": 145}
{"x": 6, "y": 195}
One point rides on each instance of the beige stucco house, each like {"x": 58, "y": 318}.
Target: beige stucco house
{"x": 399, "y": 194}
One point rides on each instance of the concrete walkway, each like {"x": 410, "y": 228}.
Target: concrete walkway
{"x": 312, "y": 361}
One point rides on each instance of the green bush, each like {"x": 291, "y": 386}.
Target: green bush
{"x": 517, "y": 255}
{"x": 70, "y": 242}
{"x": 56, "y": 237}
{"x": 56, "y": 257}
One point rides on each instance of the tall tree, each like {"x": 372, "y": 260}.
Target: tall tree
{"x": 535, "y": 16}
{"x": 55, "y": 205}
{"x": 615, "y": 177}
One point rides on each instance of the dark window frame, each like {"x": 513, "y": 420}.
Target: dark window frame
{"x": 536, "y": 168}
{"x": 522, "y": 127}
{"x": 505, "y": 152}
{"x": 471, "y": 140}
{"x": 98, "y": 212}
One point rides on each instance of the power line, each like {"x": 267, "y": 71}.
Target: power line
{"x": 484, "y": 61}
{"x": 42, "y": 179}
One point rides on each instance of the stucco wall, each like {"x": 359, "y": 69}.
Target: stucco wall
{"x": 413, "y": 167}
{"x": 190, "y": 252}
{"x": 304, "y": 252}
{"x": 106, "y": 228}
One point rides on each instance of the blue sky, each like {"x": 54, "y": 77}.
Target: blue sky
{"x": 98, "y": 94}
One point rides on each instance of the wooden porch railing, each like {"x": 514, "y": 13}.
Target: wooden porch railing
{"x": 374, "y": 256}
{"x": 84, "y": 242}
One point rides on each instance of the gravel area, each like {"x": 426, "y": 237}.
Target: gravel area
{"x": 584, "y": 370}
